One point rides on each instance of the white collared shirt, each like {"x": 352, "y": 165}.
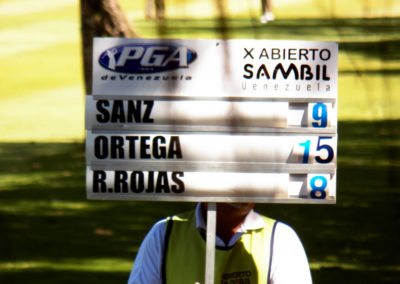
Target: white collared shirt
{"x": 289, "y": 261}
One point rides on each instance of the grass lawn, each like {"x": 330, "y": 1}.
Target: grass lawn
{"x": 41, "y": 85}
{"x": 50, "y": 233}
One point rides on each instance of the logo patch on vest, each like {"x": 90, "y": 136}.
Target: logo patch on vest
{"x": 240, "y": 277}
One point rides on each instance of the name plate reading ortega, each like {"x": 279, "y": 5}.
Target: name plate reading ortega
{"x": 269, "y": 148}
{"x": 212, "y": 120}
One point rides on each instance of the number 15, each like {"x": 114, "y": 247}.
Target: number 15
{"x": 330, "y": 154}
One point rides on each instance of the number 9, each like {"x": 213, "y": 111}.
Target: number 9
{"x": 319, "y": 113}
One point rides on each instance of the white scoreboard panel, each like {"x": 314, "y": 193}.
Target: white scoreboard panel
{"x": 212, "y": 120}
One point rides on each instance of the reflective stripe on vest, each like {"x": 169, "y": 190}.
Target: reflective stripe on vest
{"x": 248, "y": 261}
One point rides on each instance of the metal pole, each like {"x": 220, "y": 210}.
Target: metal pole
{"x": 210, "y": 246}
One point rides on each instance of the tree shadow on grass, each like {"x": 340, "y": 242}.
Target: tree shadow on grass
{"x": 45, "y": 217}
{"x": 61, "y": 277}
{"x": 369, "y": 37}
{"x": 354, "y": 241}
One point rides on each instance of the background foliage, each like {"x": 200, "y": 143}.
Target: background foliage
{"x": 50, "y": 233}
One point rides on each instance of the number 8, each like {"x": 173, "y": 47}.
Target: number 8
{"x": 318, "y": 185}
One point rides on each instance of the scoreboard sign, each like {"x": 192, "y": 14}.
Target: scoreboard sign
{"x": 212, "y": 120}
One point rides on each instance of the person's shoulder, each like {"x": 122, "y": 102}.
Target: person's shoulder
{"x": 281, "y": 229}
{"x": 284, "y": 228}
{"x": 289, "y": 260}
{"x": 285, "y": 237}
{"x": 183, "y": 216}
{"x": 157, "y": 230}
{"x": 161, "y": 224}
{"x": 285, "y": 231}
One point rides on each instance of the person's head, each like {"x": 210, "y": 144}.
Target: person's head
{"x": 232, "y": 209}
{"x": 236, "y": 209}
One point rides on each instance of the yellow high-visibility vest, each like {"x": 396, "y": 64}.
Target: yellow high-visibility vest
{"x": 247, "y": 261}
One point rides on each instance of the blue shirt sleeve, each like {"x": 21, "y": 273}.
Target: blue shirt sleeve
{"x": 147, "y": 265}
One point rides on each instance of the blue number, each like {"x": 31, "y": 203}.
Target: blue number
{"x": 306, "y": 155}
{"x": 320, "y": 114}
{"x": 318, "y": 191}
{"x": 320, "y": 147}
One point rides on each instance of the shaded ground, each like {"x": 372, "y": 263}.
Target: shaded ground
{"x": 50, "y": 233}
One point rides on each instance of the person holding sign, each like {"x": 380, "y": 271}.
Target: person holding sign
{"x": 250, "y": 248}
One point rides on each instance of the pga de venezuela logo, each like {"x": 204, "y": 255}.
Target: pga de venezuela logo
{"x": 146, "y": 58}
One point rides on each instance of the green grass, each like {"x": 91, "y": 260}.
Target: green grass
{"x": 54, "y": 235}
{"x": 41, "y": 86}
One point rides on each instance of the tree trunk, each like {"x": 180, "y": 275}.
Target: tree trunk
{"x": 100, "y": 18}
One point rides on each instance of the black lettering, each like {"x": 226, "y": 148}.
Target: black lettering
{"x": 118, "y": 114}
{"x": 306, "y": 73}
{"x": 248, "y": 69}
{"x": 121, "y": 181}
{"x": 159, "y": 151}
{"x": 263, "y": 53}
{"x": 104, "y": 115}
{"x": 292, "y": 54}
{"x": 162, "y": 185}
{"x": 317, "y": 72}
{"x": 132, "y": 146}
{"x": 263, "y": 72}
{"x": 150, "y": 182}
{"x": 275, "y": 53}
{"x": 101, "y": 147}
{"x": 325, "y": 73}
{"x": 248, "y": 53}
{"x": 179, "y": 185}
{"x": 147, "y": 111}
{"x": 303, "y": 53}
{"x": 144, "y": 147}
{"x": 134, "y": 111}
{"x": 313, "y": 51}
{"x": 99, "y": 181}
{"x": 137, "y": 182}
{"x": 174, "y": 150}
{"x": 327, "y": 56}
{"x": 117, "y": 147}
{"x": 286, "y": 73}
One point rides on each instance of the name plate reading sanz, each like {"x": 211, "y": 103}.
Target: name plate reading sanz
{"x": 212, "y": 120}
